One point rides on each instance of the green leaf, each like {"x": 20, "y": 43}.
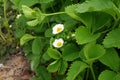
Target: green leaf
{"x": 53, "y": 53}
{"x": 15, "y": 2}
{"x": 27, "y": 3}
{"x": 45, "y": 1}
{"x": 19, "y": 33}
{"x": 93, "y": 51}
{"x": 26, "y": 38}
{"x": 48, "y": 33}
{"x": 96, "y": 20}
{"x": 33, "y": 22}
{"x": 69, "y": 24}
{"x": 112, "y": 39}
{"x": 117, "y": 77}
{"x": 107, "y": 75}
{"x": 37, "y": 46}
{"x": 28, "y": 12}
{"x": 75, "y": 69}
{"x": 97, "y": 5}
{"x": 82, "y": 55}
{"x": 35, "y": 78}
{"x": 70, "y": 52}
{"x": 18, "y": 3}
{"x": 70, "y": 10}
{"x": 36, "y": 15}
{"x": 46, "y": 57}
{"x": 83, "y": 35}
{"x": 117, "y": 3}
{"x": 54, "y": 66}
{"x": 58, "y": 65}
{"x": 111, "y": 59}
{"x": 35, "y": 62}
{"x": 21, "y": 23}
{"x": 63, "y": 67}
{"x": 42, "y": 71}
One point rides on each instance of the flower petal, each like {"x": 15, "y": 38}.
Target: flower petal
{"x": 58, "y": 28}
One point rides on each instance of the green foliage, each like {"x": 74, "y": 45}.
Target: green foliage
{"x": 112, "y": 39}
{"x": 48, "y": 33}
{"x": 96, "y": 5}
{"x": 37, "y": 46}
{"x": 111, "y": 59}
{"x": 90, "y": 33}
{"x": 93, "y": 51}
{"x": 58, "y": 65}
{"x": 70, "y": 10}
{"x": 19, "y": 33}
{"x": 40, "y": 70}
{"x": 35, "y": 62}
{"x": 76, "y": 68}
{"x": 26, "y": 38}
{"x": 107, "y": 75}
{"x": 96, "y": 21}
{"x": 53, "y": 53}
{"x": 117, "y": 3}
{"x": 117, "y": 77}
{"x": 63, "y": 67}
{"x": 83, "y": 35}
{"x": 18, "y": 3}
{"x": 36, "y": 15}
{"x": 54, "y": 66}
{"x": 70, "y": 52}
{"x": 45, "y": 1}
{"x": 1, "y": 0}
{"x": 29, "y": 13}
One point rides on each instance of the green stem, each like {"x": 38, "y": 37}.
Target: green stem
{"x": 54, "y": 13}
{"x": 115, "y": 23}
{"x": 106, "y": 31}
{"x": 48, "y": 23}
{"x": 117, "y": 11}
{"x": 1, "y": 34}
{"x": 92, "y": 71}
{"x": 87, "y": 74}
{"x": 6, "y": 24}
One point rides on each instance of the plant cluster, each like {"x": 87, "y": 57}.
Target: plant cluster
{"x": 69, "y": 39}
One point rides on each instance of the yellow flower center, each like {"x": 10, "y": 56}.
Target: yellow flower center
{"x": 59, "y": 44}
{"x": 59, "y": 29}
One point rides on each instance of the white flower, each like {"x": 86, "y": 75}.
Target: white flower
{"x": 18, "y": 16}
{"x": 1, "y": 65}
{"x": 10, "y": 26}
{"x": 58, "y": 43}
{"x": 58, "y": 28}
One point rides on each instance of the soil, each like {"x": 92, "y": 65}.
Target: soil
{"x": 16, "y": 67}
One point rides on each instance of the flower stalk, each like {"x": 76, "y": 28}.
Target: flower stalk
{"x": 50, "y": 14}
{"x": 92, "y": 71}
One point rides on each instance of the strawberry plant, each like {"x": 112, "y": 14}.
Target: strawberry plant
{"x": 69, "y": 39}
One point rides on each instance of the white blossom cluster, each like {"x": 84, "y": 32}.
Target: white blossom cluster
{"x": 58, "y": 28}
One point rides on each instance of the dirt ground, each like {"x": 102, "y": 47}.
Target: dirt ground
{"x": 16, "y": 67}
